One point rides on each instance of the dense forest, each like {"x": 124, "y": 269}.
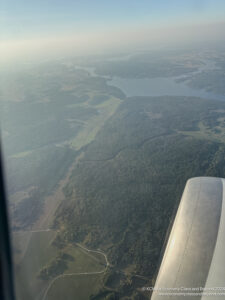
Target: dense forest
{"x": 124, "y": 191}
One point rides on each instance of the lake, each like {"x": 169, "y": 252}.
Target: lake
{"x": 160, "y": 86}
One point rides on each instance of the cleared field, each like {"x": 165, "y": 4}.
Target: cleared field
{"x": 83, "y": 261}
{"x": 216, "y": 134}
{"x": 92, "y": 127}
{"x": 39, "y": 252}
{"x": 20, "y": 243}
{"x": 21, "y": 154}
{"x": 76, "y": 287}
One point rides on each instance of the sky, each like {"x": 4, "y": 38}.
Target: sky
{"x": 31, "y": 26}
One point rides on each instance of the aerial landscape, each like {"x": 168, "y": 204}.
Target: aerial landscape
{"x": 98, "y": 144}
{"x": 101, "y": 173}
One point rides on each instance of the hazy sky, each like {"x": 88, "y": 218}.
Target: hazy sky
{"x": 35, "y": 25}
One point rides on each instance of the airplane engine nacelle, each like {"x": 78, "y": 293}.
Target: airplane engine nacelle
{"x": 193, "y": 264}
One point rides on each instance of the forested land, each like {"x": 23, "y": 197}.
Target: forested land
{"x": 124, "y": 191}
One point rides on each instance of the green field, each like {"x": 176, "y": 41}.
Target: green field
{"x": 91, "y": 128}
{"x": 75, "y": 287}
{"x": 40, "y": 253}
{"x": 204, "y": 132}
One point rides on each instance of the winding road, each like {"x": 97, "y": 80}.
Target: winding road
{"x": 107, "y": 264}
{"x": 99, "y": 251}
{"x": 95, "y": 251}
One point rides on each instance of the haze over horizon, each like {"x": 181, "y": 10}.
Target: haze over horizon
{"x": 108, "y": 108}
{"x": 50, "y": 29}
